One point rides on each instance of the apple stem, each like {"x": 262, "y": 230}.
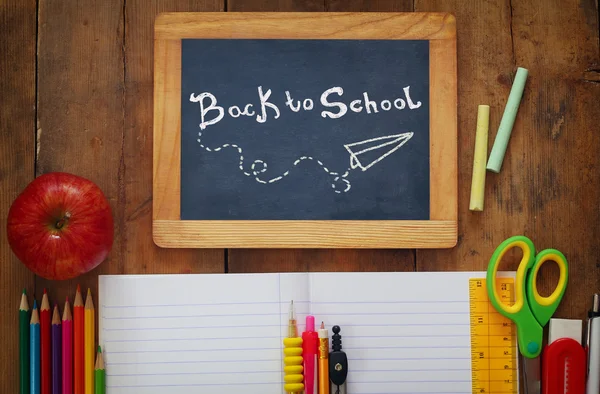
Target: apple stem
{"x": 60, "y": 222}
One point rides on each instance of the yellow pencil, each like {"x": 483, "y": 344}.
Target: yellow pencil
{"x": 89, "y": 340}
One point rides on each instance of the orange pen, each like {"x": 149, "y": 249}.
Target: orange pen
{"x": 323, "y": 360}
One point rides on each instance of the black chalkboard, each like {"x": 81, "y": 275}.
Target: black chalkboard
{"x": 295, "y": 163}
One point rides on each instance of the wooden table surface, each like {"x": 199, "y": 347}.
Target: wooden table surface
{"x": 76, "y": 87}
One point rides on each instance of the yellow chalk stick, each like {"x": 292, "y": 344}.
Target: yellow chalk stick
{"x": 480, "y": 158}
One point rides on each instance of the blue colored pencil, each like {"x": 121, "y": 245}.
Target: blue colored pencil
{"x": 34, "y": 348}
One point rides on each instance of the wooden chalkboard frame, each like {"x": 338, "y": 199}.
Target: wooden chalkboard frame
{"x": 438, "y": 232}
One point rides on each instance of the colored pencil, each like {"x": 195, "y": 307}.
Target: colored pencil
{"x": 67, "y": 350}
{"x": 45, "y": 345}
{"x": 100, "y": 373}
{"x": 24, "y": 343}
{"x": 89, "y": 343}
{"x": 78, "y": 328}
{"x": 34, "y": 350}
{"x": 56, "y": 351}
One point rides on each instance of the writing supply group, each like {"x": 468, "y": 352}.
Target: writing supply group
{"x": 569, "y": 365}
{"x": 58, "y": 354}
{"x": 309, "y": 365}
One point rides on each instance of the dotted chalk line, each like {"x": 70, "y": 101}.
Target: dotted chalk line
{"x": 259, "y": 167}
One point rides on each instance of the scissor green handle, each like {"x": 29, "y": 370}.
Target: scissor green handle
{"x": 529, "y": 332}
{"x": 544, "y": 307}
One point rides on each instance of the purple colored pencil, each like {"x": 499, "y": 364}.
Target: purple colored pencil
{"x": 56, "y": 352}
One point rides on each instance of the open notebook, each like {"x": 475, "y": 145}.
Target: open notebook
{"x": 403, "y": 332}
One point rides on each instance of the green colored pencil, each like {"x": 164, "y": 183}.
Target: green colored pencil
{"x": 24, "y": 343}
{"x": 100, "y": 375}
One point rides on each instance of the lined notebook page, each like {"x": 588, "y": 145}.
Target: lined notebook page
{"x": 402, "y": 333}
{"x": 222, "y": 333}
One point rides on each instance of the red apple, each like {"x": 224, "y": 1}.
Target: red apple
{"x": 60, "y": 226}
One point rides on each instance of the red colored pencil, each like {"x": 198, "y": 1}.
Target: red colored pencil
{"x": 78, "y": 319}
{"x": 45, "y": 346}
{"x": 67, "y": 350}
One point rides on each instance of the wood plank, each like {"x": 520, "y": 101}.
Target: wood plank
{"x": 304, "y": 233}
{"x": 167, "y": 131}
{"x": 319, "y": 5}
{"x": 269, "y": 260}
{"x": 546, "y": 189}
{"x": 141, "y": 255}
{"x": 80, "y": 111}
{"x": 443, "y": 161}
{"x": 275, "y": 5}
{"x": 17, "y": 157}
{"x": 320, "y": 260}
{"x": 562, "y": 117}
{"x": 426, "y": 26}
{"x": 369, "y": 5}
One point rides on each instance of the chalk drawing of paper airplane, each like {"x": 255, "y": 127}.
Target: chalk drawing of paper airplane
{"x": 365, "y": 154}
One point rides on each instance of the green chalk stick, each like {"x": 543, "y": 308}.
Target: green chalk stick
{"x": 508, "y": 120}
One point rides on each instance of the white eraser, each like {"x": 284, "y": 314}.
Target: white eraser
{"x": 565, "y": 328}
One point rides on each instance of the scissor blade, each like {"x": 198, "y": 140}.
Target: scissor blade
{"x": 532, "y": 374}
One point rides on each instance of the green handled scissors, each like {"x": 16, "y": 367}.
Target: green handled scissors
{"x": 530, "y": 311}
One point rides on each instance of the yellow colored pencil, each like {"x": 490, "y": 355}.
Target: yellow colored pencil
{"x": 89, "y": 340}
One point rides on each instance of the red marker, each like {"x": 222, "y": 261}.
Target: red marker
{"x": 310, "y": 351}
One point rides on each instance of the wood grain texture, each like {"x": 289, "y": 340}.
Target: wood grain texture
{"x": 320, "y": 260}
{"x": 369, "y": 5}
{"x": 562, "y": 117}
{"x": 17, "y": 155}
{"x": 167, "y": 131}
{"x": 269, "y": 260}
{"x": 547, "y": 189}
{"x": 440, "y": 231}
{"x": 275, "y": 5}
{"x": 140, "y": 253}
{"x": 443, "y": 160}
{"x": 305, "y": 234}
{"x": 80, "y": 111}
{"x": 298, "y": 25}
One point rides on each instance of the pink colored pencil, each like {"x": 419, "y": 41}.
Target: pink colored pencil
{"x": 67, "y": 350}
{"x": 46, "y": 345}
{"x": 56, "y": 351}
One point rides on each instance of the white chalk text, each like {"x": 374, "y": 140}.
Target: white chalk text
{"x": 334, "y": 105}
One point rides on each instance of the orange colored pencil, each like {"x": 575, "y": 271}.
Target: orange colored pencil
{"x": 45, "y": 346}
{"x": 78, "y": 361}
{"x": 88, "y": 343}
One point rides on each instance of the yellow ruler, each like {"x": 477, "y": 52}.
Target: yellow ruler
{"x": 493, "y": 340}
